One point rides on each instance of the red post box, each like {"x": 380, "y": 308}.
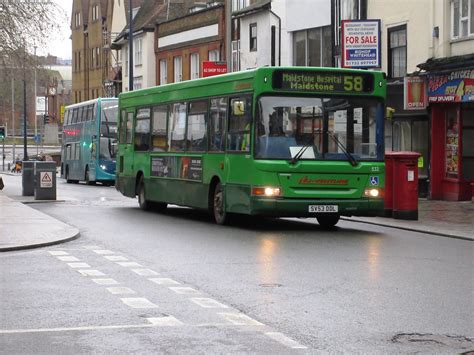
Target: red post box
{"x": 388, "y": 193}
{"x": 405, "y": 185}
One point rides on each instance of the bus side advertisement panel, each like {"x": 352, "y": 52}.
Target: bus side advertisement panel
{"x": 184, "y": 168}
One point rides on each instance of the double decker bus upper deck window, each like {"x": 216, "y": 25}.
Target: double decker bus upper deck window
{"x": 323, "y": 81}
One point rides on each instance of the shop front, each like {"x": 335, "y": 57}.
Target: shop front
{"x": 451, "y": 103}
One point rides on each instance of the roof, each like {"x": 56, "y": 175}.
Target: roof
{"x": 448, "y": 63}
{"x": 257, "y": 6}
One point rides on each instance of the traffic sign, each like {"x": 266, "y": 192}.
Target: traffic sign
{"x": 46, "y": 179}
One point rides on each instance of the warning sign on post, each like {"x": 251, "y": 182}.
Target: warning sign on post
{"x": 46, "y": 179}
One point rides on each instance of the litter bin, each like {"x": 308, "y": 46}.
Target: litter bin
{"x": 45, "y": 180}
{"x": 28, "y": 178}
{"x": 405, "y": 185}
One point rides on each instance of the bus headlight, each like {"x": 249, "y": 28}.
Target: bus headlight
{"x": 266, "y": 191}
{"x": 103, "y": 167}
{"x": 373, "y": 192}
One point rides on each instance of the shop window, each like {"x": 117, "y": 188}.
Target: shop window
{"x": 452, "y": 144}
{"x": 397, "y": 51}
{"x": 467, "y": 144}
{"x": 217, "y": 124}
{"x": 197, "y": 127}
{"x": 160, "y": 115}
{"x": 253, "y": 37}
{"x": 142, "y": 130}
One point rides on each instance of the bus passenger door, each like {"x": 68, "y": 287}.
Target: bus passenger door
{"x": 125, "y": 180}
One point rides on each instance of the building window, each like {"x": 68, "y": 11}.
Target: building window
{"x": 312, "y": 47}
{"x": 163, "y": 71}
{"x": 194, "y": 59}
{"x": 138, "y": 51}
{"x": 79, "y": 61}
{"x": 462, "y": 18}
{"x": 95, "y": 12}
{"x": 178, "y": 69}
{"x": 253, "y": 37}
{"x": 397, "y": 51}
{"x": 137, "y": 82}
{"x": 92, "y": 57}
{"x": 238, "y": 4}
{"x": 235, "y": 56}
{"x": 97, "y": 57}
{"x": 77, "y": 19}
{"x": 214, "y": 55}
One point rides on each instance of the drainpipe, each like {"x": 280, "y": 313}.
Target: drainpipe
{"x": 279, "y": 37}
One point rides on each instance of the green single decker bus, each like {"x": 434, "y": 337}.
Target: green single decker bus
{"x": 274, "y": 141}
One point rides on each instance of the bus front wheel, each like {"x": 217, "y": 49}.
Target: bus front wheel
{"x": 88, "y": 179}
{"x": 328, "y": 220}
{"x": 218, "y": 206}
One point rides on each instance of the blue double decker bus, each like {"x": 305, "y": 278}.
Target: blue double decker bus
{"x": 89, "y": 142}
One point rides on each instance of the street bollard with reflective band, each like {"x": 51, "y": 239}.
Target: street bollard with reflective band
{"x": 28, "y": 178}
{"x": 45, "y": 180}
{"x": 405, "y": 185}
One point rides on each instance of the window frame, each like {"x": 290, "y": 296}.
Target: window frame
{"x": 178, "y": 77}
{"x": 188, "y": 142}
{"x": 390, "y": 50}
{"x": 137, "y": 120}
{"x": 468, "y": 19}
{"x": 253, "y": 45}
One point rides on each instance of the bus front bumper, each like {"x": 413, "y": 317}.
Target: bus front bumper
{"x": 281, "y": 207}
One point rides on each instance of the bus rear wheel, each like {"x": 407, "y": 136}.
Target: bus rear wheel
{"x": 328, "y": 220}
{"x": 142, "y": 201}
{"x": 218, "y": 207}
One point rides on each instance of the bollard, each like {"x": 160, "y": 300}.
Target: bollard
{"x": 28, "y": 178}
{"x": 45, "y": 188}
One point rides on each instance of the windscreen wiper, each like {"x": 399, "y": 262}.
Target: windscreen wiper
{"x": 300, "y": 152}
{"x": 349, "y": 156}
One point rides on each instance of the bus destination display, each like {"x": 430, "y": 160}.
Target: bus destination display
{"x": 330, "y": 82}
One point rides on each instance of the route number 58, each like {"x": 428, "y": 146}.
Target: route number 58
{"x": 353, "y": 83}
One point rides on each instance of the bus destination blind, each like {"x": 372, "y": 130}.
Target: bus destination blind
{"x": 330, "y": 82}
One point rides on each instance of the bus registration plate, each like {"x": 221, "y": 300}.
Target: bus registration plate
{"x": 323, "y": 208}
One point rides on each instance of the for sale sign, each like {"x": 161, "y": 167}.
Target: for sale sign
{"x": 361, "y": 44}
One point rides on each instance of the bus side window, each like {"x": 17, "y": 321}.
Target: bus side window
{"x": 160, "y": 116}
{"x": 177, "y": 127}
{"x": 129, "y": 137}
{"x": 142, "y": 130}
{"x": 217, "y": 124}
{"x": 123, "y": 125}
{"x": 80, "y": 114}
{"x": 240, "y": 119}
{"x": 74, "y": 116}
{"x": 66, "y": 118}
{"x": 197, "y": 126}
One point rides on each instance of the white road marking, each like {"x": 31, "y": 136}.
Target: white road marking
{"x": 168, "y": 321}
{"x": 116, "y": 258}
{"x": 91, "y": 272}
{"x": 239, "y": 319}
{"x": 105, "y": 281}
{"x": 208, "y": 303}
{"x": 57, "y": 252}
{"x": 128, "y": 264}
{"x": 103, "y": 252}
{"x": 138, "y": 303}
{"x": 92, "y": 247}
{"x": 67, "y": 258}
{"x": 164, "y": 281}
{"x": 78, "y": 265}
{"x": 100, "y": 327}
{"x": 184, "y": 290}
{"x": 283, "y": 339}
{"x": 145, "y": 272}
{"x": 120, "y": 290}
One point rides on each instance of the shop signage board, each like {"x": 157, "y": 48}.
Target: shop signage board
{"x": 414, "y": 93}
{"x": 455, "y": 86}
{"x": 360, "y": 44}
{"x": 210, "y": 68}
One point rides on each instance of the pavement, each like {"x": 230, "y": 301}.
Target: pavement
{"x": 23, "y": 227}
